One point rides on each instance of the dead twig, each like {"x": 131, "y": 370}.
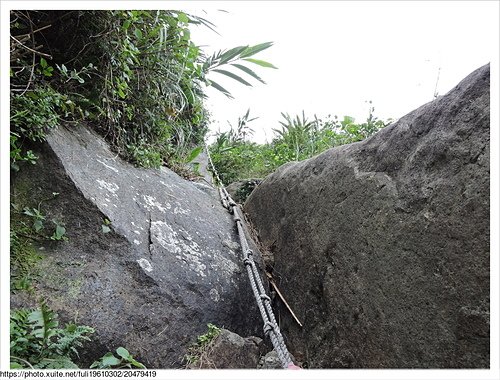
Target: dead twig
{"x": 30, "y": 49}
{"x": 271, "y": 281}
{"x": 23, "y": 36}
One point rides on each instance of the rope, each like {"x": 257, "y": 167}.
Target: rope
{"x": 271, "y": 328}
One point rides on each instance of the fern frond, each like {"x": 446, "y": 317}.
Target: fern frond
{"x": 44, "y": 322}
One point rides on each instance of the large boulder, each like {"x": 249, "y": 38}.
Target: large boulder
{"x": 381, "y": 247}
{"x": 170, "y": 264}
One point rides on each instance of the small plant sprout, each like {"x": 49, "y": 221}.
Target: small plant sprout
{"x": 37, "y": 217}
{"x": 105, "y": 225}
{"x": 202, "y": 344}
{"x": 59, "y": 233}
{"x": 122, "y": 360}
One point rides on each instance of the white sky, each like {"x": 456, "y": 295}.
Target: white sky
{"x": 334, "y": 56}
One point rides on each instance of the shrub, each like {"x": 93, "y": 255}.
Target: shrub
{"x": 135, "y": 75}
{"x": 299, "y": 138}
{"x": 36, "y": 341}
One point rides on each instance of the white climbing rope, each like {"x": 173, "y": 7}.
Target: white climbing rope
{"x": 271, "y": 328}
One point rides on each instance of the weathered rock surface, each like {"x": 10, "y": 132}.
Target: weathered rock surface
{"x": 382, "y": 247}
{"x": 272, "y": 361}
{"x": 229, "y": 350}
{"x": 170, "y": 265}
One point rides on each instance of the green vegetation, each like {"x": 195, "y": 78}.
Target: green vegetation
{"x": 246, "y": 188}
{"x": 36, "y": 341}
{"x": 134, "y": 76}
{"x": 122, "y": 360}
{"x": 202, "y": 345}
{"x": 23, "y": 260}
{"x": 32, "y": 115}
{"x": 29, "y": 224}
{"x": 106, "y": 223}
{"x": 298, "y": 138}
{"x": 230, "y": 57}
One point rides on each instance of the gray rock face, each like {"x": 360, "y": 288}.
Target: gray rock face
{"x": 170, "y": 265}
{"x": 382, "y": 247}
{"x": 272, "y": 361}
{"x": 229, "y": 350}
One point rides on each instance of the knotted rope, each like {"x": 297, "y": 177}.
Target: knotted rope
{"x": 271, "y": 328}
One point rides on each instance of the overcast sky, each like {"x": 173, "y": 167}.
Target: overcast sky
{"x": 334, "y": 56}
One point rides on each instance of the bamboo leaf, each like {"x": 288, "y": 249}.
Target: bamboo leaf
{"x": 233, "y": 76}
{"x": 260, "y": 62}
{"x": 248, "y": 71}
{"x": 197, "y": 20}
{"x": 252, "y": 50}
{"x": 194, "y": 153}
{"x": 231, "y": 53}
{"x": 227, "y": 149}
{"x": 220, "y": 88}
